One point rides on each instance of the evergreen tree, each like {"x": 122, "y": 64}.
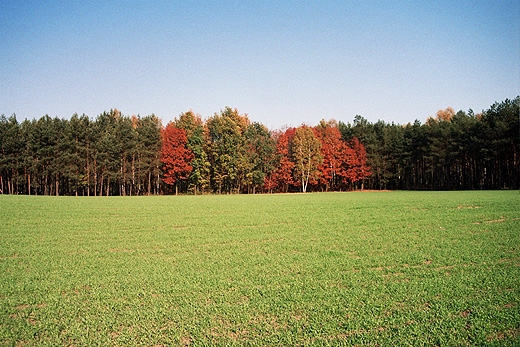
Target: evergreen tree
{"x": 146, "y": 168}
{"x": 261, "y": 155}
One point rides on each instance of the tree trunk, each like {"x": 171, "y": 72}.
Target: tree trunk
{"x": 95, "y": 178}
{"x": 149, "y": 182}
{"x": 88, "y": 172}
{"x": 101, "y": 186}
{"x": 133, "y": 175}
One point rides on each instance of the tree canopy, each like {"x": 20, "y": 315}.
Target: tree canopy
{"x": 115, "y": 154}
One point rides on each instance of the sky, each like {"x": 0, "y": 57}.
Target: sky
{"x": 283, "y": 63}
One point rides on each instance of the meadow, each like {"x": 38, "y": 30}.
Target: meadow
{"x": 323, "y": 269}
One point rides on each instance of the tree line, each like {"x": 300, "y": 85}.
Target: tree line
{"x": 111, "y": 155}
{"x": 121, "y": 155}
{"x": 115, "y": 154}
{"x": 461, "y": 150}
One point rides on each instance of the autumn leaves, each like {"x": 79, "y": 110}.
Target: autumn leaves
{"x": 229, "y": 154}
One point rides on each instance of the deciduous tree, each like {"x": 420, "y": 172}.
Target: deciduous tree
{"x": 227, "y": 150}
{"x": 306, "y": 152}
{"x": 283, "y": 176}
{"x": 335, "y": 154}
{"x": 175, "y": 156}
{"x": 200, "y": 175}
{"x": 358, "y": 170}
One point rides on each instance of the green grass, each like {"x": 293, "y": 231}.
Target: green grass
{"x": 375, "y": 269}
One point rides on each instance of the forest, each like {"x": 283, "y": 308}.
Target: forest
{"x": 115, "y": 154}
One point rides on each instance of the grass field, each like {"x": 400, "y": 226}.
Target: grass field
{"x": 374, "y": 268}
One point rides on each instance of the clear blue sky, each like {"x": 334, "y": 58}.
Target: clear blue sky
{"x": 281, "y": 62}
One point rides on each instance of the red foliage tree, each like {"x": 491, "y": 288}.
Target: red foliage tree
{"x": 282, "y": 177}
{"x": 336, "y": 155}
{"x": 175, "y": 156}
{"x": 358, "y": 168}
